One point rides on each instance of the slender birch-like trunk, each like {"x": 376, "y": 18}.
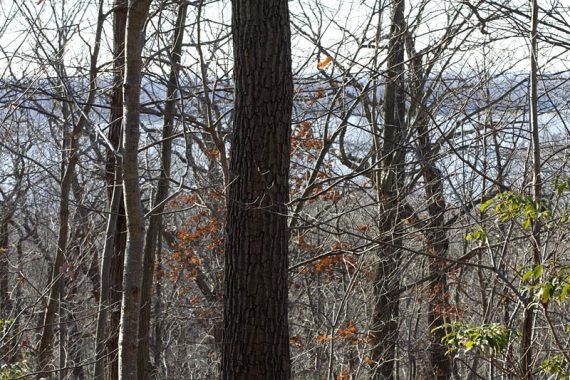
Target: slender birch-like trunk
{"x": 137, "y": 14}
{"x": 527, "y": 356}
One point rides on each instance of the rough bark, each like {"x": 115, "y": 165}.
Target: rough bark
{"x": 155, "y": 222}
{"x": 256, "y": 344}
{"x": 132, "y": 277}
{"x": 389, "y": 181}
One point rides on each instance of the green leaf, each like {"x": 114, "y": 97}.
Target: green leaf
{"x": 537, "y": 272}
{"x": 527, "y": 275}
{"x": 526, "y": 223}
{"x": 485, "y": 205}
{"x": 547, "y": 292}
{"x": 564, "y": 292}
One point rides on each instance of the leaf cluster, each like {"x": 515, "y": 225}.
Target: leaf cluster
{"x": 492, "y": 337}
{"x": 554, "y": 288}
{"x": 509, "y": 205}
{"x": 556, "y": 365}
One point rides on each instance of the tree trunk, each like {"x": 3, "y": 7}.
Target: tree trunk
{"x": 161, "y": 196}
{"x": 132, "y": 277}
{"x": 114, "y": 181}
{"x": 389, "y": 181}
{"x": 436, "y": 240}
{"x": 529, "y": 312}
{"x": 157, "y": 349}
{"x": 105, "y": 281}
{"x": 256, "y": 341}
{"x": 72, "y": 157}
{"x": 5, "y": 304}
{"x": 437, "y": 245}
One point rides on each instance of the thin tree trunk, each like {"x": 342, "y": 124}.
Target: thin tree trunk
{"x": 132, "y": 277}
{"x": 5, "y": 304}
{"x": 437, "y": 245}
{"x": 256, "y": 338}
{"x": 70, "y": 341}
{"x": 388, "y": 182}
{"x": 113, "y": 181}
{"x": 46, "y": 342}
{"x": 157, "y": 309}
{"x": 436, "y": 240}
{"x": 83, "y": 232}
{"x": 105, "y": 280}
{"x": 529, "y": 312}
{"x": 8, "y": 208}
{"x": 161, "y": 195}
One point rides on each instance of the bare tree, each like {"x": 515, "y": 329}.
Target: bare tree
{"x": 115, "y": 130}
{"x": 132, "y": 278}
{"x": 70, "y": 157}
{"x": 161, "y": 197}
{"x": 527, "y": 358}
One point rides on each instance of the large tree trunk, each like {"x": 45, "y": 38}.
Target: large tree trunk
{"x": 256, "y": 344}
{"x": 389, "y": 181}
{"x": 161, "y": 196}
{"x": 132, "y": 277}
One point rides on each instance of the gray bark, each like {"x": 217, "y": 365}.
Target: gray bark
{"x": 128, "y": 333}
{"x": 389, "y": 181}
{"x": 155, "y": 223}
{"x": 105, "y": 280}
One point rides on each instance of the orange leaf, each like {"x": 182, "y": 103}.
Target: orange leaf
{"x": 194, "y": 260}
{"x": 351, "y": 329}
{"x": 295, "y": 341}
{"x": 323, "y": 338}
{"x": 324, "y": 63}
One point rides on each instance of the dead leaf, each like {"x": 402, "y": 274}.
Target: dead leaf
{"x": 324, "y": 63}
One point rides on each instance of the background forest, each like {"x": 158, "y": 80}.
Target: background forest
{"x": 429, "y": 187}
